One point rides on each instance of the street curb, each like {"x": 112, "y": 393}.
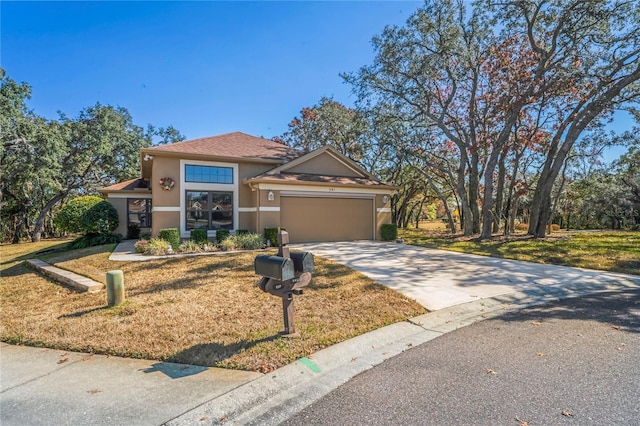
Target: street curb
{"x": 277, "y": 396}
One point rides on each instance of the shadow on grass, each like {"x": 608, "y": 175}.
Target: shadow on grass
{"x": 210, "y": 354}
{"x": 61, "y": 247}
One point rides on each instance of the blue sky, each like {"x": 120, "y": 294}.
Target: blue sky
{"x": 204, "y": 67}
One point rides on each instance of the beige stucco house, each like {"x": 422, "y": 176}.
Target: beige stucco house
{"x": 237, "y": 181}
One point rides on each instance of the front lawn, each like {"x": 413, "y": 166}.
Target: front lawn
{"x": 607, "y": 251}
{"x": 202, "y": 310}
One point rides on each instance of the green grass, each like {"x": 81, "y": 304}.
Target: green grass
{"x": 607, "y": 251}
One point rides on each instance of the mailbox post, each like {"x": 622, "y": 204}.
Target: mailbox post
{"x": 285, "y": 275}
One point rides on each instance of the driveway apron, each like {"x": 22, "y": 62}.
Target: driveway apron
{"x": 439, "y": 279}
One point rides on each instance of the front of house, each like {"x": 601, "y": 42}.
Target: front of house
{"x": 237, "y": 181}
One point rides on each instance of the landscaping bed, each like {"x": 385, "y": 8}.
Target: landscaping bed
{"x": 202, "y": 310}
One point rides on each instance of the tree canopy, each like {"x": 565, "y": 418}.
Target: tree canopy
{"x": 45, "y": 162}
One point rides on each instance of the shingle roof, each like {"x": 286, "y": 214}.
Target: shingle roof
{"x": 129, "y": 185}
{"x": 310, "y": 178}
{"x": 231, "y": 145}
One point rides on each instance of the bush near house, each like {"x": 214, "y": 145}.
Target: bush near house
{"x": 170, "y": 235}
{"x": 87, "y": 215}
{"x": 199, "y": 236}
{"x": 91, "y": 216}
{"x": 271, "y": 235}
{"x": 221, "y": 235}
{"x": 388, "y": 231}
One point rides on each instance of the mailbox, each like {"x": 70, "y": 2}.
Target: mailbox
{"x": 276, "y": 267}
{"x": 303, "y": 261}
{"x": 285, "y": 275}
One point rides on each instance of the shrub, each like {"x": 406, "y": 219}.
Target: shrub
{"x": 133, "y": 231}
{"x": 228, "y": 244}
{"x": 141, "y": 246}
{"x": 221, "y": 235}
{"x": 555, "y": 227}
{"x": 170, "y": 235}
{"x": 199, "y": 236}
{"x": 87, "y": 215}
{"x": 190, "y": 246}
{"x": 91, "y": 240}
{"x": 241, "y": 231}
{"x": 145, "y": 235}
{"x": 157, "y": 247}
{"x": 388, "y": 231}
{"x": 271, "y": 235}
{"x": 248, "y": 241}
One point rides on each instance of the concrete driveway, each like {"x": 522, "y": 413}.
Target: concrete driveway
{"x": 438, "y": 279}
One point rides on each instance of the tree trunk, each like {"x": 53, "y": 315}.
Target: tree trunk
{"x": 39, "y": 226}
{"x": 499, "y": 194}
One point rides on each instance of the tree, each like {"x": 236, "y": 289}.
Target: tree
{"x": 562, "y": 66}
{"x": 46, "y": 161}
{"x": 328, "y": 123}
{"x": 593, "y": 47}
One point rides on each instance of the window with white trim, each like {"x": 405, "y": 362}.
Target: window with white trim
{"x": 210, "y": 210}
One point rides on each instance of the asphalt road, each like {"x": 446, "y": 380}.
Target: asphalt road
{"x": 574, "y": 362}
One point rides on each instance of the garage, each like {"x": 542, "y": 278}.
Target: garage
{"x": 313, "y": 219}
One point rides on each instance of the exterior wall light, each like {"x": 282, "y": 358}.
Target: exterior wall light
{"x": 270, "y": 196}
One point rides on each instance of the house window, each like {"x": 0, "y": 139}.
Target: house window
{"x": 209, "y": 210}
{"x": 139, "y": 212}
{"x": 208, "y": 174}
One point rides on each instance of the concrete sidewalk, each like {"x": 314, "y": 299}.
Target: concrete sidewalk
{"x": 40, "y": 386}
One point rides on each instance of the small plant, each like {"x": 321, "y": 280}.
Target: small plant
{"x": 249, "y": 241}
{"x": 145, "y": 235}
{"x": 228, "y": 244}
{"x": 170, "y": 235}
{"x": 190, "y": 246}
{"x": 133, "y": 231}
{"x": 141, "y": 246}
{"x": 221, "y": 235}
{"x": 199, "y": 236}
{"x": 157, "y": 247}
{"x": 555, "y": 227}
{"x": 388, "y": 231}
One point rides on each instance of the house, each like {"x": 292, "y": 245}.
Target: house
{"x": 237, "y": 181}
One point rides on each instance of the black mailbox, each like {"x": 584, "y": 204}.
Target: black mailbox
{"x": 276, "y": 267}
{"x": 303, "y": 261}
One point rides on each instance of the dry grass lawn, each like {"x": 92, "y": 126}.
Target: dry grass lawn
{"x": 615, "y": 251}
{"x": 203, "y": 310}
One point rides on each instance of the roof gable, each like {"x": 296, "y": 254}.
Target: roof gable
{"x": 323, "y": 161}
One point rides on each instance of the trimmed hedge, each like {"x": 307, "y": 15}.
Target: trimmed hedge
{"x": 87, "y": 215}
{"x": 271, "y": 235}
{"x": 199, "y": 235}
{"x": 388, "y": 231}
{"x": 242, "y": 231}
{"x": 170, "y": 235}
{"x": 221, "y": 235}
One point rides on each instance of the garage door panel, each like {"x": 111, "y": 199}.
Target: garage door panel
{"x": 311, "y": 219}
